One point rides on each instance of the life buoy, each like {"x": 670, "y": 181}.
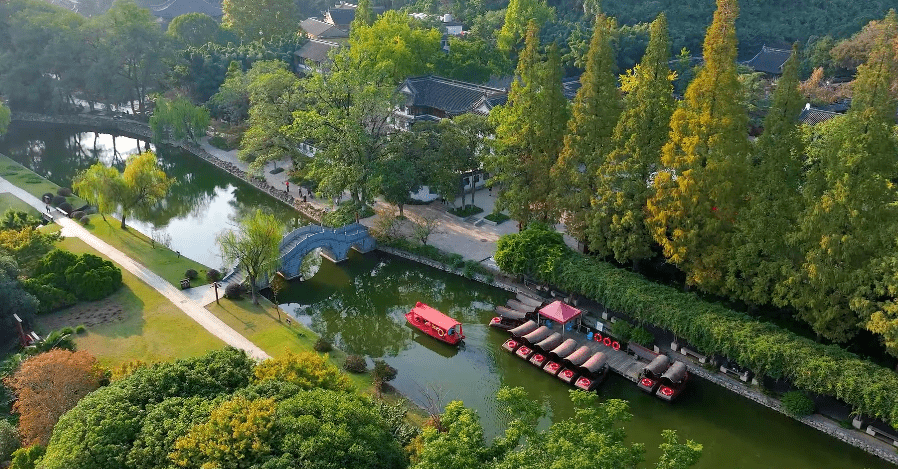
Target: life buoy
{"x": 615, "y": 345}
{"x": 647, "y": 382}
{"x": 567, "y": 373}
{"x": 607, "y": 341}
{"x": 538, "y": 357}
{"x": 597, "y": 337}
{"x": 666, "y": 391}
{"x": 441, "y": 332}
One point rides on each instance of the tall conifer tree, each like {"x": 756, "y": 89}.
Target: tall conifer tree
{"x": 617, "y": 225}
{"x": 587, "y": 141}
{"x": 762, "y": 251}
{"x": 699, "y": 192}
{"x": 529, "y": 130}
{"x": 848, "y": 229}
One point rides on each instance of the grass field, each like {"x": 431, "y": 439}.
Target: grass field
{"x": 9, "y": 201}
{"x": 136, "y": 322}
{"x": 161, "y": 260}
{"x": 30, "y": 182}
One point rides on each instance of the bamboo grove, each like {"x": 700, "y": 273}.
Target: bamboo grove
{"x": 802, "y": 218}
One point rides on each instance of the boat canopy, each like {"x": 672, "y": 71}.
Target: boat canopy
{"x": 595, "y": 362}
{"x": 517, "y": 305}
{"x": 577, "y": 358}
{"x": 550, "y": 342}
{"x": 657, "y": 366}
{"x": 510, "y": 313}
{"x": 676, "y": 373}
{"x": 529, "y": 300}
{"x": 560, "y": 312}
{"x": 524, "y": 329}
{"x": 565, "y": 349}
{"x": 539, "y": 334}
{"x": 434, "y": 317}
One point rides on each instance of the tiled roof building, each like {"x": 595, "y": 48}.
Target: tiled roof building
{"x": 432, "y": 98}
{"x": 317, "y": 29}
{"x": 769, "y": 60}
{"x": 813, "y": 116}
{"x": 314, "y": 53}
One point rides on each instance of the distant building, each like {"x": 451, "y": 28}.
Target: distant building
{"x": 342, "y": 14}
{"x": 447, "y": 22}
{"x": 814, "y": 116}
{"x": 769, "y": 60}
{"x": 317, "y": 29}
{"x": 313, "y": 55}
{"x": 432, "y": 98}
{"x": 174, "y": 8}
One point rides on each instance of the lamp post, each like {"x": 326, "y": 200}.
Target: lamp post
{"x": 216, "y": 285}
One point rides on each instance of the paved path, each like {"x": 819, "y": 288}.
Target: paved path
{"x": 188, "y": 305}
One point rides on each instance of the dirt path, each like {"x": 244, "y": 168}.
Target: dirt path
{"x": 190, "y": 307}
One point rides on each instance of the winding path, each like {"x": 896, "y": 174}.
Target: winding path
{"x": 190, "y": 307}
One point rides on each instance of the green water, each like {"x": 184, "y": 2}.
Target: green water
{"x": 204, "y": 201}
{"x": 359, "y": 304}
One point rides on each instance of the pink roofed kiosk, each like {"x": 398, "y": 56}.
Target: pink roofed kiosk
{"x": 435, "y": 324}
{"x": 561, "y": 313}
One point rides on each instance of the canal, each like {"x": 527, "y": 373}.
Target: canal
{"x": 359, "y": 305}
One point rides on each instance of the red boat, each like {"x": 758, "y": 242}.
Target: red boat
{"x": 435, "y": 324}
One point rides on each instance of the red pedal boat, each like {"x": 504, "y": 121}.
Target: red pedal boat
{"x": 435, "y": 324}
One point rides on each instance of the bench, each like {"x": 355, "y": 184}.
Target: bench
{"x": 641, "y": 352}
{"x": 742, "y": 375}
{"x": 882, "y": 434}
{"x": 693, "y": 354}
{"x": 185, "y": 283}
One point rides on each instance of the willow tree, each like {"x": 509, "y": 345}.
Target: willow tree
{"x": 847, "y": 232}
{"x": 529, "y": 134}
{"x": 100, "y": 186}
{"x": 617, "y": 227}
{"x": 587, "y": 142}
{"x": 254, "y": 247}
{"x": 762, "y": 250}
{"x": 698, "y": 191}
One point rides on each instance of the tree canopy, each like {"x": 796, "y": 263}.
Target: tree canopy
{"x": 254, "y": 246}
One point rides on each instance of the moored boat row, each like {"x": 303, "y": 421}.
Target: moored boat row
{"x": 663, "y": 379}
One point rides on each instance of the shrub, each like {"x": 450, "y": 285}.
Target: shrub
{"x": 27, "y": 458}
{"x": 622, "y": 330}
{"x": 93, "y": 278}
{"x": 355, "y": 364}
{"x": 64, "y": 191}
{"x": 383, "y": 371}
{"x": 57, "y": 199}
{"x": 497, "y": 217}
{"x": 322, "y": 346}
{"x": 797, "y": 404}
{"x": 470, "y": 268}
{"x": 47, "y": 196}
{"x": 234, "y": 291}
{"x": 65, "y": 207}
{"x": 191, "y": 274}
{"x": 642, "y": 336}
{"x": 213, "y": 275}
{"x": 77, "y": 215}
{"x": 50, "y": 298}
{"x": 9, "y": 440}
{"x": 85, "y": 220}
{"x": 455, "y": 260}
{"x": 80, "y": 329}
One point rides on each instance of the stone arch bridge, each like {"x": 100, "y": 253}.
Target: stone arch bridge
{"x": 335, "y": 242}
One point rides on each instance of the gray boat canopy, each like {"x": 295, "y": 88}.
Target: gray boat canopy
{"x": 595, "y": 362}
{"x": 523, "y": 329}
{"x": 566, "y": 348}
{"x": 509, "y": 313}
{"x": 577, "y": 358}
{"x": 529, "y": 300}
{"x": 518, "y": 306}
{"x": 539, "y": 334}
{"x": 656, "y": 366}
{"x": 676, "y": 373}
{"x": 549, "y": 342}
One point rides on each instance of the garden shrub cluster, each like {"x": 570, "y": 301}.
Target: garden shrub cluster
{"x": 322, "y": 345}
{"x": 61, "y": 278}
{"x": 711, "y": 327}
{"x": 355, "y": 364}
{"x": 64, "y": 191}
{"x": 797, "y": 404}
{"x": 346, "y": 214}
{"x": 191, "y": 274}
{"x": 234, "y": 291}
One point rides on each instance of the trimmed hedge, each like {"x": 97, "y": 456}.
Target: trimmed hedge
{"x": 713, "y": 328}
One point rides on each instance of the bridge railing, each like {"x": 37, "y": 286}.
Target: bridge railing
{"x": 301, "y": 231}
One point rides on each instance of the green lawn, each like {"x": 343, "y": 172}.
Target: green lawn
{"x": 161, "y": 260}
{"x": 136, "y": 323}
{"x": 9, "y": 201}
{"x": 29, "y": 181}
{"x": 260, "y": 325}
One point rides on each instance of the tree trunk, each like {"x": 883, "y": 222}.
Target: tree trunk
{"x": 123, "y": 221}
{"x": 400, "y": 209}
{"x": 473, "y": 189}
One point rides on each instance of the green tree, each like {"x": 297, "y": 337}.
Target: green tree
{"x": 194, "y": 29}
{"x": 617, "y": 226}
{"x": 27, "y": 458}
{"x": 307, "y": 370}
{"x": 274, "y": 93}
{"x": 587, "y": 142}
{"x": 400, "y": 173}
{"x": 143, "y": 185}
{"x": 177, "y": 119}
{"x": 761, "y": 247}
{"x": 5, "y": 118}
{"x": 534, "y": 251}
{"x": 254, "y": 246}
{"x": 394, "y": 47}
{"x": 518, "y": 15}
{"x": 27, "y": 245}
{"x": 163, "y": 425}
{"x": 100, "y": 186}
{"x": 529, "y": 130}
{"x": 364, "y": 16}
{"x": 699, "y": 190}
{"x": 472, "y": 59}
{"x": 847, "y": 230}
{"x": 260, "y": 19}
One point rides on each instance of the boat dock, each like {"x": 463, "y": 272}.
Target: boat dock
{"x": 619, "y": 361}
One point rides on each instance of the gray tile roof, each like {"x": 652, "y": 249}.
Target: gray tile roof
{"x": 769, "y": 60}
{"x": 316, "y": 50}
{"x": 813, "y": 116}
{"x": 174, "y": 8}
{"x": 319, "y": 29}
{"x": 450, "y": 96}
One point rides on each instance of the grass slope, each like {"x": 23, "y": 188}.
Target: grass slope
{"x": 30, "y": 182}
{"x": 9, "y": 201}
